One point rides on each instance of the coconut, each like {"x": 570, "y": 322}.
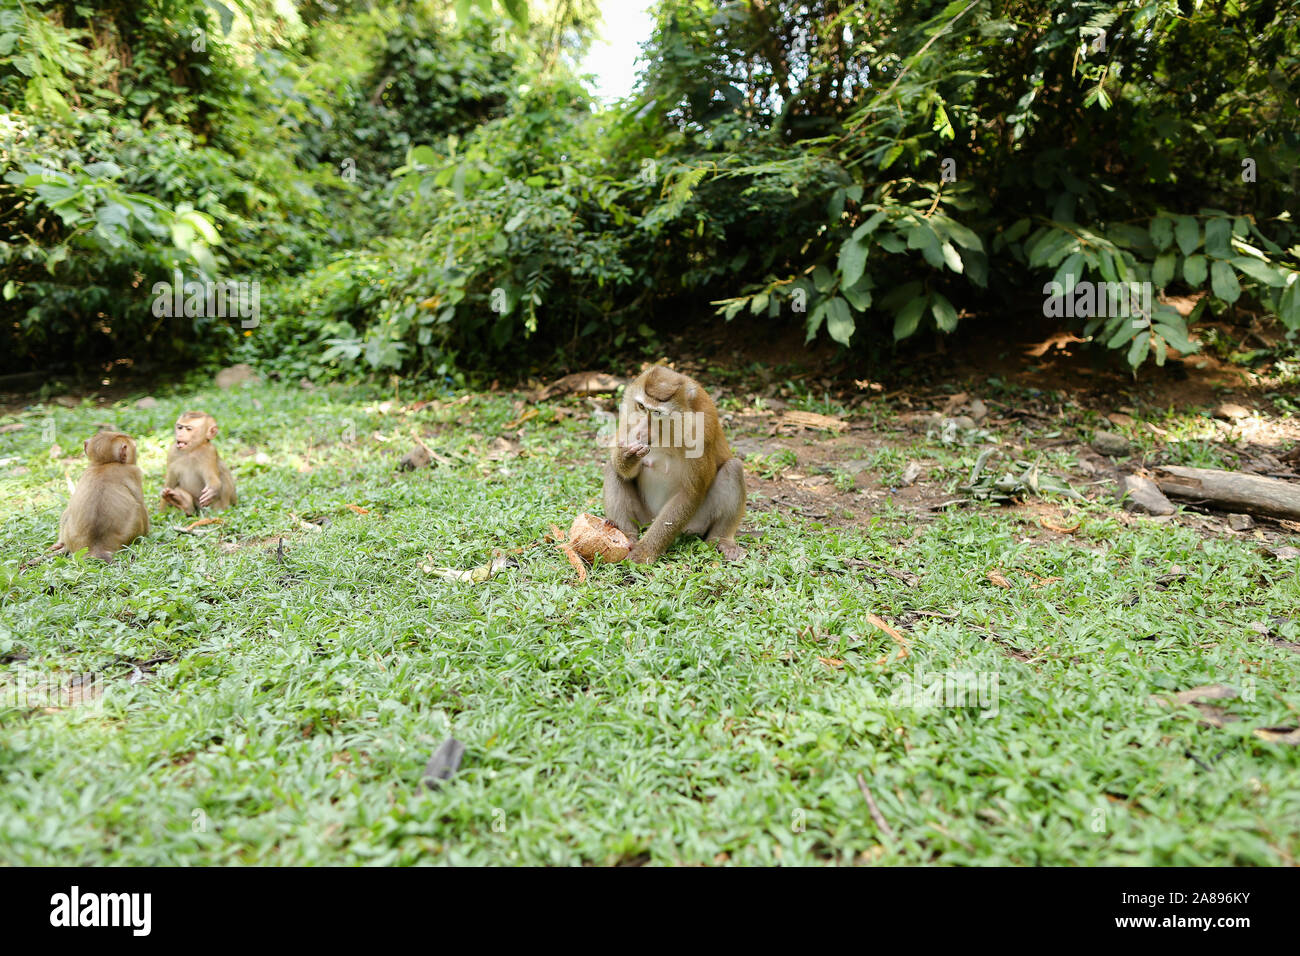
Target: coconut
{"x": 591, "y": 536}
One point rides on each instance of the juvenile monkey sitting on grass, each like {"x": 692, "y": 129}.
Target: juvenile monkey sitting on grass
{"x": 107, "y": 506}
{"x": 196, "y": 475}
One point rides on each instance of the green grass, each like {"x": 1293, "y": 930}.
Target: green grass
{"x": 669, "y": 715}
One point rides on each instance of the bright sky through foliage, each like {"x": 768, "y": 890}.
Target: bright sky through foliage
{"x": 612, "y": 59}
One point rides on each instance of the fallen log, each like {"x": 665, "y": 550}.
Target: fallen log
{"x": 1231, "y": 490}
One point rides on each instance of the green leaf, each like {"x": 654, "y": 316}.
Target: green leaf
{"x": 1162, "y": 270}
{"x": 1162, "y": 232}
{"x": 839, "y": 320}
{"x": 1259, "y": 271}
{"x": 1018, "y": 229}
{"x": 815, "y": 319}
{"x": 1218, "y": 236}
{"x": 1224, "y": 281}
{"x": 868, "y": 227}
{"x": 1195, "y": 269}
{"x": 945, "y": 316}
{"x": 1175, "y": 336}
{"x": 859, "y": 296}
{"x": 1137, "y": 352}
{"x": 1188, "y": 233}
{"x": 853, "y": 261}
{"x": 1288, "y": 310}
{"x": 951, "y": 257}
{"x": 909, "y": 316}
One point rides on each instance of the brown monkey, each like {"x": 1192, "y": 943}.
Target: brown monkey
{"x": 671, "y": 468}
{"x": 196, "y": 475}
{"x": 107, "y": 506}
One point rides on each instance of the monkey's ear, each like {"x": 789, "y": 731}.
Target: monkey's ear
{"x": 212, "y": 431}
{"x": 123, "y": 450}
{"x": 85, "y": 447}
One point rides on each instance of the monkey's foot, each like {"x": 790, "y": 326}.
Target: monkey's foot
{"x": 730, "y": 550}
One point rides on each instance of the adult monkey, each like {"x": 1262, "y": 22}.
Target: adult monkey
{"x": 671, "y": 468}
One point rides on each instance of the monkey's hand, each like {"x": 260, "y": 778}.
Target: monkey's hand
{"x": 640, "y": 555}
{"x": 627, "y": 459}
{"x": 206, "y": 495}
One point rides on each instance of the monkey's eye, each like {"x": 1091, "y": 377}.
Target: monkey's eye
{"x": 640, "y": 405}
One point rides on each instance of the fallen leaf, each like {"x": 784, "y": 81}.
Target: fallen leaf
{"x": 204, "y": 521}
{"x": 1060, "y": 528}
{"x": 834, "y": 663}
{"x": 358, "y": 509}
{"x": 1210, "y": 691}
{"x": 502, "y": 449}
{"x": 1279, "y": 735}
{"x": 811, "y": 420}
{"x": 530, "y": 413}
{"x": 998, "y": 578}
{"x": 897, "y": 635}
{"x": 954, "y": 402}
{"x": 579, "y": 383}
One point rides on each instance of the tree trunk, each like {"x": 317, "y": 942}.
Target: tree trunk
{"x": 1231, "y": 491}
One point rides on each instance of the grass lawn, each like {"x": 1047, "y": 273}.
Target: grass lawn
{"x": 259, "y": 709}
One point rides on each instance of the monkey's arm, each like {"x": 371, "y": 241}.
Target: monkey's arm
{"x": 211, "y": 473}
{"x": 623, "y": 504}
{"x": 668, "y": 524}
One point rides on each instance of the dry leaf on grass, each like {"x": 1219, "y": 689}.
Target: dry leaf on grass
{"x": 358, "y": 509}
{"x": 1060, "y": 528}
{"x": 998, "y": 578}
{"x": 202, "y": 522}
{"x": 530, "y": 413}
{"x": 796, "y": 419}
{"x": 579, "y": 383}
{"x": 1279, "y": 735}
{"x": 834, "y": 663}
{"x": 904, "y": 649}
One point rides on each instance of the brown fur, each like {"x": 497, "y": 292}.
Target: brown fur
{"x": 662, "y": 485}
{"x": 107, "y": 507}
{"x": 196, "y": 475}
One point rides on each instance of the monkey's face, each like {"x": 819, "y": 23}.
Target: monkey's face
{"x": 639, "y": 411}
{"x": 190, "y": 433}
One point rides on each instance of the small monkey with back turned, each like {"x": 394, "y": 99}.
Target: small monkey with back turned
{"x": 106, "y": 510}
{"x": 196, "y": 475}
{"x": 672, "y": 469}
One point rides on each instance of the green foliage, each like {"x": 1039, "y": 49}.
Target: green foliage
{"x": 872, "y": 172}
